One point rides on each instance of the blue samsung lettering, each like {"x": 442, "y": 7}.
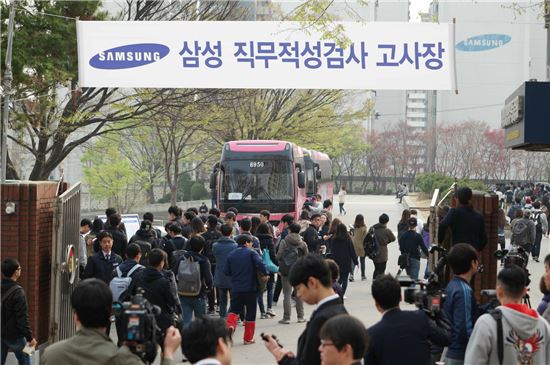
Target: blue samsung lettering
{"x": 129, "y": 56}
{"x": 483, "y": 42}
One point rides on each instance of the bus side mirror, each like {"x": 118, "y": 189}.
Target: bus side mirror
{"x": 301, "y": 179}
{"x": 318, "y": 174}
{"x": 213, "y": 181}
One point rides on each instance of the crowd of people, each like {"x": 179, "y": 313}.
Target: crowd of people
{"x": 208, "y": 274}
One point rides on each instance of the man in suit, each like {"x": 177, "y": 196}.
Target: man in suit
{"x": 311, "y": 277}
{"x": 102, "y": 264}
{"x": 401, "y": 337}
{"x": 343, "y": 341}
{"x": 205, "y": 341}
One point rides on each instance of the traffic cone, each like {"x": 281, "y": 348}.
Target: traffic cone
{"x": 249, "y": 328}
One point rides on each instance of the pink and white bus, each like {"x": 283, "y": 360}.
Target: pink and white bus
{"x": 278, "y": 176}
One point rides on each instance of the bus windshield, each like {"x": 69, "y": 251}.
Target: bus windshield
{"x": 257, "y": 180}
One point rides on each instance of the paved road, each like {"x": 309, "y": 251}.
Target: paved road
{"x": 359, "y": 300}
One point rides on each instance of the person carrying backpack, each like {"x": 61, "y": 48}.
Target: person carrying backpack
{"x": 384, "y": 236}
{"x": 122, "y": 280}
{"x": 146, "y": 239}
{"x": 194, "y": 277}
{"x": 291, "y": 248}
{"x": 523, "y": 231}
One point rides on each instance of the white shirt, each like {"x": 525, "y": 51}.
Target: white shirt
{"x": 208, "y": 362}
{"x": 342, "y": 196}
{"x": 327, "y": 299}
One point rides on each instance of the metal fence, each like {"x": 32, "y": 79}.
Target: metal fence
{"x": 65, "y": 266}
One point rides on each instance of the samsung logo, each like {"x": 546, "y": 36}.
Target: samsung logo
{"x": 483, "y": 42}
{"x": 129, "y": 56}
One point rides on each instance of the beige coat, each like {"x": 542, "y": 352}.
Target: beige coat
{"x": 358, "y": 238}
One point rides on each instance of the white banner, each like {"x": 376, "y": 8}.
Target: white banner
{"x": 271, "y": 55}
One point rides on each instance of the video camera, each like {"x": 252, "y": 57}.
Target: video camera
{"x": 140, "y": 331}
{"x": 516, "y": 255}
{"x": 431, "y": 294}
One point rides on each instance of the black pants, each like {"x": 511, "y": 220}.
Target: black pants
{"x": 379, "y": 269}
{"x": 535, "y": 251}
{"x": 244, "y": 300}
{"x": 278, "y": 288}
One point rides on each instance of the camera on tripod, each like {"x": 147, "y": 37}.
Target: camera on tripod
{"x": 516, "y": 255}
{"x": 140, "y": 331}
{"x": 430, "y": 296}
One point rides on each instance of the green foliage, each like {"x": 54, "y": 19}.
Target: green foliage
{"x": 184, "y": 187}
{"x": 427, "y": 183}
{"x": 198, "y": 191}
{"x": 111, "y": 176}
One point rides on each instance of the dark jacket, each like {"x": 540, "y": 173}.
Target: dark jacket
{"x": 467, "y": 226}
{"x": 342, "y": 251}
{"x": 292, "y": 239}
{"x": 411, "y": 243}
{"x": 98, "y": 267}
{"x": 241, "y": 265}
{"x": 311, "y": 237}
{"x": 309, "y": 341}
{"x": 166, "y": 244}
{"x": 266, "y": 243}
{"x": 461, "y": 308}
{"x": 180, "y": 243}
{"x": 158, "y": 292}
{"x": 404, "y": 337}
{"x": 15, "y": 313}
{"x": 147, "y": 236}
{"x": 384, "y": 236}
{"x": 120, "y": 242}
{"x": 221, "y": 249}
{"x": 206, "y": 271}
{"x": 210, "y": 236}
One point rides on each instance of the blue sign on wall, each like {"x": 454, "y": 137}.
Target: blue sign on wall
{"x": 483, "y": 42}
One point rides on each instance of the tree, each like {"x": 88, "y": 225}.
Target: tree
{"x": 111, "y": 175}
{"x": 51, "y": 115}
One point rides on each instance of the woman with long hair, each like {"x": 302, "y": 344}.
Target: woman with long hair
{"x": 343, "y": 253}
{"x": 360, "y": 232}
{"x": 263, "y": 232}
{"x": 403, "y": 225}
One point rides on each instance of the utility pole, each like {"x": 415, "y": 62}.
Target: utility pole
{"x": 547, "y": 26}
{"x": 7, "y": 92}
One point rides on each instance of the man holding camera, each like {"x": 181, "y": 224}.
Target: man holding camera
{"x": 460, "y": 305}
{"x": 401, "y": 337}
{"x": 513, "y": 333}
{"x": 91, "y": 302}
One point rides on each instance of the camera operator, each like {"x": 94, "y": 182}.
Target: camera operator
{"x": 460, "y": 305}
{"x": 91, "y": 302}
{"x": 513, "y": 333}
{"x": 402, "y": 337}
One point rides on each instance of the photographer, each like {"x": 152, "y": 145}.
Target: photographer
{"x": 513, "y": 333}
{"x": 90, "y": 344}
{"x": 460, "y": 304}
{"x": 401, "y": 337}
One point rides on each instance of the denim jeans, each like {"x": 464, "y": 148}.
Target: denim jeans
{"x": 223, "y": 300}
{"x": 17, "y": 347}
{"x": 535, "y": 252}
{"x": 190, "y": 305}
{"x": 414, "y": 268}
{"x": 269, "y": 291}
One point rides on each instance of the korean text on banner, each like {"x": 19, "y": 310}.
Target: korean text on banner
{"x": 381, "y": 55}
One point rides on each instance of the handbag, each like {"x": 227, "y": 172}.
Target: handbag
{"x": 404, "y": 261}
{"x": 271, "y": 267}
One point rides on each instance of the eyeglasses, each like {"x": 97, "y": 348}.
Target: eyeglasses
{"x": 326, "y": 343}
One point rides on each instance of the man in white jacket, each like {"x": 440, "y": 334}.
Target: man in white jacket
{"x": 525, "y": 335}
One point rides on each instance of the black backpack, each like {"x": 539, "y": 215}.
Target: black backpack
{"x": 146, "y": 248}
{"x": 370, "y": 244}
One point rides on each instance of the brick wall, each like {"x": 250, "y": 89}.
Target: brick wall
{"x": 27, "y": 236}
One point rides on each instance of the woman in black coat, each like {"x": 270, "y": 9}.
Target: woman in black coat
{"x": 342, "y": 251}
{"x": 263, "y": 232}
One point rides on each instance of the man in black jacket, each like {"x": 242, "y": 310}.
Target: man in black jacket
{"x": 467, "y": 225}
{"x": 102, "y": 264}
{"x": 311, "y": 277}
{"x": 401, "y": 337}
{"x": 311, "y": 234}
{"x": 16, "y": 331}
{"x": 156, "y": 288}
